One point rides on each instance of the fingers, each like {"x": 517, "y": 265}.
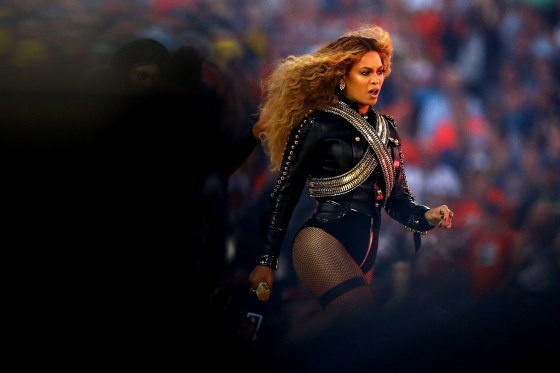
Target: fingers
{"x": 262, "y": 291}
{"x": 446, "y": 217}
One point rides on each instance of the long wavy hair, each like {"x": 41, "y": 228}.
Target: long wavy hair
{"x": 302, "y": 84}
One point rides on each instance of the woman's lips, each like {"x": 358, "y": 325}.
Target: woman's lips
{"x": 373, "y": 92}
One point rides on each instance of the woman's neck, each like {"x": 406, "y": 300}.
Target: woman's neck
{"x": 361, "y": 109}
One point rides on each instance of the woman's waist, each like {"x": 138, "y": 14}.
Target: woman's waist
{"x": 337, "y": 204}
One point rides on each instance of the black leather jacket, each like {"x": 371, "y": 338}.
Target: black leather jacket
{"x": 326, "y": 145}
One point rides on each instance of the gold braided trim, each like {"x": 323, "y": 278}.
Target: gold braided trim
{"x": 336, "y": 185}
{"x": 378, "y": 144}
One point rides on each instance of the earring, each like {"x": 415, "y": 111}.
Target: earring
{"x": 342, "y": 85}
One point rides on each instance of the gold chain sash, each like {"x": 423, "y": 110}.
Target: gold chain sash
{"x": 340, "y": 184}
{"x": 358, "y": 174}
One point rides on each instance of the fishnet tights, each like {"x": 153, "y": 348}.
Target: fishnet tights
{"x": 322, "y": 263}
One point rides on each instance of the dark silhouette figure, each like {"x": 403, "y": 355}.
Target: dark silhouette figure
{"x": 118, "y": 191}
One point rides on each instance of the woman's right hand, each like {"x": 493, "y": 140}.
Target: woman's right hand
{"x": 261, "y": 274}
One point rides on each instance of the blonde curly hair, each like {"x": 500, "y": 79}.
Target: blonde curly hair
{"x": 302, "y": 84}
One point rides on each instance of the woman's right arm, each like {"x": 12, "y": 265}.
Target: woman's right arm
{"x": 299, "y": 155}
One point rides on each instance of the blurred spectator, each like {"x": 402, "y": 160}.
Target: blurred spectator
{"x": 436, "y": 105}
{"x": 136, "y": 67}
{"x": 431, "y": 179}
{"x": 535, "y": 275}
{"x": 489, "y": 253}
{"x": 139, "y": 64}
{"x": 185, "y": 69}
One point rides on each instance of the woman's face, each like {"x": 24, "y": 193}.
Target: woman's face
{"x": 364, "y": 80}
{"x": 144, "y": 76}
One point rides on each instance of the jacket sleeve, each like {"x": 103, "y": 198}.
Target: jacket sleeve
{"x": 402, "y": 207}
{"x": 299, "y": 155}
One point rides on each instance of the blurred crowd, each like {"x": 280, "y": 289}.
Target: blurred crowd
{"x": 475, "y": 91}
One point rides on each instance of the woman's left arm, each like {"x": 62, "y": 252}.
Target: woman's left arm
{"x": 440, "y": 216}
{"x": 402, "y": 207}
{"x": 401, "y": 204}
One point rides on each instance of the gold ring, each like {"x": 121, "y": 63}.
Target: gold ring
{"x": 263, "y": 291}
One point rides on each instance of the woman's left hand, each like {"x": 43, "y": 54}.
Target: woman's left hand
{"x": 440, "y": 216}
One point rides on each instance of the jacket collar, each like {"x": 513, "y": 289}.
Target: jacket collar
{"x": 353, "y": 105}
